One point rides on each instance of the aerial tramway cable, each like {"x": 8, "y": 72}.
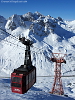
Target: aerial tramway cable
{"x": 9, "y": 34}
{"x": 18, "y": 40}
{"x": 39, "y": 49}
{"x": 47, "y": 76}
{"x": 12, "y": 43}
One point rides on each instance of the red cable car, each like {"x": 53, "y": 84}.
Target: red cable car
{"x": 24, "y": 77}
{"x": 22, "y": 81}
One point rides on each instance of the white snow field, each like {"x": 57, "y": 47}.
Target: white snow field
{"x": 40, "y": 91}
{"x": 49, "y": 35}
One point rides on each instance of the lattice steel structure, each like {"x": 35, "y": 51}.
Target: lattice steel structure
{"x": 57, "y": 85}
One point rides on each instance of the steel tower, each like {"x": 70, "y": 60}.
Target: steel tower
{"x": 57, "y": 85}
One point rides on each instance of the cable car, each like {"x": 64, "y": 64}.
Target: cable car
{"x": 24, "y": 77}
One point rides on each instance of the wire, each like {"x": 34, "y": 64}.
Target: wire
{"x": 38, "y": 49}
{"x": 12, "y": 43}
{"x": 45, "y": 76}
{"x": 13, "y": 38}
{"x": 23, "y": 47}
{"x": 9, "y": 34}
{"x": 19, "y": 41}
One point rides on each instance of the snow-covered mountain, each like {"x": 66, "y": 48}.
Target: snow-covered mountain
{"x": 2, "y": 22}
{"x": 48, "y": 35}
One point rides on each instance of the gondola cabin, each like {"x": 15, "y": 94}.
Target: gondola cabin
{"x": 22, "y": 80}
{"x": 24, "y": 77}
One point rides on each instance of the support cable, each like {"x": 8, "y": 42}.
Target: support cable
{"x": 12, "y": 43}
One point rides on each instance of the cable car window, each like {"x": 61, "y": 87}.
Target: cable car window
{"x": 34, "y": 74}
{"x": 16, "y": 79}
{"x": 26, "y": 79}
{"x": 29, "y": 77}
{"x": 15, "y": 85}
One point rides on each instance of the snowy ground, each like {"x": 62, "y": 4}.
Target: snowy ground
{"x": 40, "y": 91}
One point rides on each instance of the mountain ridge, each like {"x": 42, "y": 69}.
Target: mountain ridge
{"x": 48, "y": 33}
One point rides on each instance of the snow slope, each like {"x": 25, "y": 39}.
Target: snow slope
{"x": 48, "y": 34}
{"x": 37, "y": 92}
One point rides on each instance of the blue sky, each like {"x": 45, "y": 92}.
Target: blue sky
{"x": 55, "y": 8}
